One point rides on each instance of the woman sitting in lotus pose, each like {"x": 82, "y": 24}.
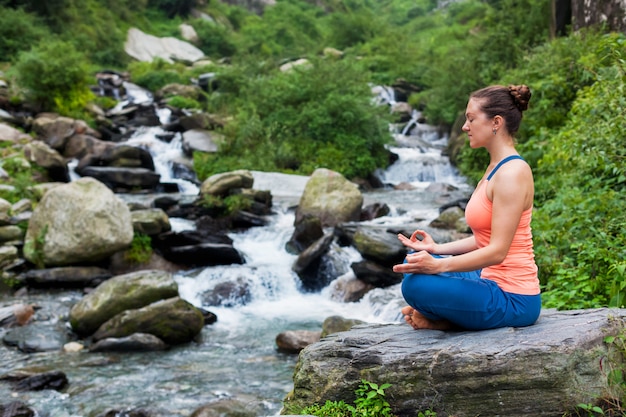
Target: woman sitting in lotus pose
{"x": 490, "y": 279}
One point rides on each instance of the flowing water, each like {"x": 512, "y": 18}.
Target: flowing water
{"x": 236, "y": 357}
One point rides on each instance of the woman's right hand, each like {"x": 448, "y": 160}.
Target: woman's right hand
{"x": 426, "y": 241}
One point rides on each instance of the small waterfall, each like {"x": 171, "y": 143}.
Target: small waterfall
{"x": 236, "y": 356}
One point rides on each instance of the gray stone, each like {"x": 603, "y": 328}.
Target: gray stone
{"x": 540, "y": 370}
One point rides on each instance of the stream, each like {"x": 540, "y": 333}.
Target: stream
{"x": 236, "y": 357}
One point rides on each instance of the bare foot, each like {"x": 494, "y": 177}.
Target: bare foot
{"x": 418, "y": 321}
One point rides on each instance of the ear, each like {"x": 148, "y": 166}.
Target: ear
{"x": 498, "y": 121}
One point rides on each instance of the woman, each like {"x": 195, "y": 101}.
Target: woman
{"x": 491, "y": 279}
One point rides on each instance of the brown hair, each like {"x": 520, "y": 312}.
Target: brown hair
{"x": 508, "y": 102}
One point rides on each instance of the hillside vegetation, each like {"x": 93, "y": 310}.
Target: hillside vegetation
{"x": 573, "y": 134}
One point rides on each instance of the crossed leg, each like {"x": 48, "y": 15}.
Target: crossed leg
{"x": 418, "y": 321}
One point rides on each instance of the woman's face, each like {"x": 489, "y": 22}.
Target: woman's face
{"x": 478, "y": 127}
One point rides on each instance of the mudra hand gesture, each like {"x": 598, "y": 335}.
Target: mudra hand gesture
{"x": 425, "y": 242}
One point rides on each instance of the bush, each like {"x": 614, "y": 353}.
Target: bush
{"x": 302, "y": 120}
{"x": 582, "y": 178}
{"x": 157, "y": 74}
{"x": 18, "y": 31}
{"x": 55, "y": 76}
{"x": 214, "y": 40}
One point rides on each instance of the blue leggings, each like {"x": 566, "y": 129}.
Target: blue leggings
{"x": 468, "y": 301}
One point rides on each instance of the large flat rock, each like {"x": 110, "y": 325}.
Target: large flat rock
{"x": 541, "y": 370}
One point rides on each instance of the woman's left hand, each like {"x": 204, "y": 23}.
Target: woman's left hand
{"x": 419, "y": 263}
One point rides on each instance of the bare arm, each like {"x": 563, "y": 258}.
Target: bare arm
{"x": 508, "y": 204}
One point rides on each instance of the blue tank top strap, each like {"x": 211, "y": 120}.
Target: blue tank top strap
{"x": 505, "y": 160}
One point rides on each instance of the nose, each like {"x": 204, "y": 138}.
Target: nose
{"x": 465, "y": 127}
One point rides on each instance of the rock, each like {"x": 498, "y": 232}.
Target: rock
{"x": 233, "y": 407}
{"x": 310, "y": 264}
{"x": 222, "y": 184}
{"x": 330, "y": 197}
{"x": 375, "y": 274}
{"x": 200, "y": 140}
{"x": 65, "y": 277}
{"x": 118, "y": 294}
{"x": 150, "y": 221}
{"x": 36, "y": 337}
{"x": 293, "y": 341}
{"x": 448, "y": 218}
{"x": 347, "y": 289}
{"x": 146, "y": 48}
{"x": 175, "y": 321}
{"x": 335, "y": 324}
{"x": 8, "y": 255}
{"x": 540, "y": 370}
{"x": 40, "y": 154}
{"x": 378, "y": 245}
{"x": 305, "y": 233}
{"x": 10, "y": 233}
{"x": 228, "y": 294}
{"x": 11, "y": 134}
{"x": 54, "y": 130}
{"x": 301, "y": 63}
{"x": 73, "y": 347}
{"x": 136, "y": 342}
{"x": 17, "y": 409}
{"x": 123, "y": 178}
{"x": 56, "y": 380}
{"x": 82, "y": 221}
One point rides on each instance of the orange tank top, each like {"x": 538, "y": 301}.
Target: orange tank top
{"x": 518, "y": 271}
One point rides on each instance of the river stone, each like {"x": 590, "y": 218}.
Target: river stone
{"x": 136, "y": 342}
{"x": 151, "y": 221}
{"x": 377, "y": 245}
{"x": 541, "y": 370}
{"x": 36, "y": 337}
{"x": 174, "y": 321}
{"x": 120, "y": 293}
{"x": 330, "y": 197}
{"x": 65, "y": 277}
{"x": 82, "y": 221}
{"x": 221, "y": 184}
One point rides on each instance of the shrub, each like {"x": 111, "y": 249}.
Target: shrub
{"x": 55, "y": 76}
{"x": 18, "y": 31}
{"x": 302, "y": 120}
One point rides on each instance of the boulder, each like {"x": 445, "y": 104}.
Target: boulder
{"x": 174, "y": 321}
{"x": 118, "y": 294}
{"x": 540, "y": 370}
{"x": 82, "y": 221}
{"x": 222, "y": 184}
{"x": 150, "y": 221}
{"x": 330, "y": 197}
{"x": 146, "y": 48}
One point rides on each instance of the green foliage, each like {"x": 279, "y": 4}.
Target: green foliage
{"x": 287, "y": 29}
{"x": 370, "y": 402}
{"x": 21, "y": 176}
{"x": 183, "y": 102}
{"x": 140, "y": 249}
{"x": 611, "y": 403}
{"x": 582, "y": 181}
{"x": 225, "y": 206}
{"x": 34, "y": 247}
{"x": 55, "y": 76}
{"x": 214, "y": 40}
{"x": 304, "y": 119}
{"x": 157, "y": 74}
{"x": 18, "y": 31}
{"x": 174, "y": 7}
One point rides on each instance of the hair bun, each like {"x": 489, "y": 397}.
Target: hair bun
{"x": 521, "y": 96}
